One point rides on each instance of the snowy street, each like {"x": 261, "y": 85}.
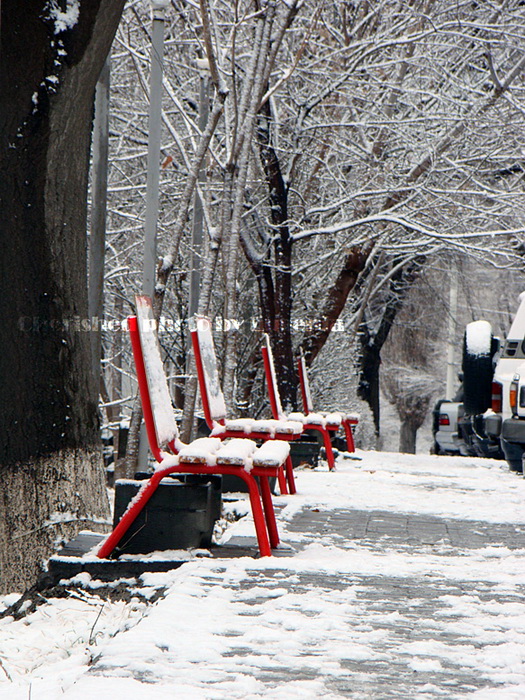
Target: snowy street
{"x": 400, "y": 576}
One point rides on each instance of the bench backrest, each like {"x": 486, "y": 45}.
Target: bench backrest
{"x": 271, "y": 379}
{"x": 154, "y": 393}
{"x": 213, "y": 403}
{"x": 308, "y": 405}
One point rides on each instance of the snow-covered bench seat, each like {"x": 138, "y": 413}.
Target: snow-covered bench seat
{"x": 324, "y": 419}
{"x": 239, "y": 452}
{"x": 214, "y": 406}
{"x": 270, "y": 429}
{"x": 240, "y": 457}
{"x": 347, "y": 420}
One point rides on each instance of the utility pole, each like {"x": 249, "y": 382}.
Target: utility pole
{"x": 154, "y": 129}
{"x": 451, "y": 343}
{"x": 190, "y": 385}
{"x": 153, "y": 172}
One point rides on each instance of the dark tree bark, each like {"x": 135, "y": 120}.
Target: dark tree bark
{"x": 275, "y": 290}
{"x": 49, "y": 445}
{"x": 369, "y": 365}
{"x": 274, "y": 275}
{"x": 336, "y": 298}
{"x": 408, "y": 435}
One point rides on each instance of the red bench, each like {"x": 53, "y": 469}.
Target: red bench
{"x": 214, "y": 406}
{"x": 347, "y": 420}
{"x": 327, "y": 424}
{"x": 240, "y": 457}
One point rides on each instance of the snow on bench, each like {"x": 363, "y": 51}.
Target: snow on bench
{"x": 271, "y": 453}
{"x": 200, "y": 451}
{"x": 236, "y": 451}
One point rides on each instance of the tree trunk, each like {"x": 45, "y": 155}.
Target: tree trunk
{"x": 253, "y": 90}
{"x": 45, "y": 501}
{"x": 275, "y": 290}
{"x": 336, "y": 297}
{"x": 368, "y": 386}
{"x": 407, "y": 436}
{"x": 49, "y": 444}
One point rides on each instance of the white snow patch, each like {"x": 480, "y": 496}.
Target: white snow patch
{"x": 425, "y": 665}
{"x": 478, "y": 338}
{"x": 64, "y": 19}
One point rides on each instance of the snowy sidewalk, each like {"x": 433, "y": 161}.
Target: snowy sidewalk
{"x": 406, "y": 580}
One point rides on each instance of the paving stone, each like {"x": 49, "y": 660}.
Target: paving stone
{"x": 400, "y": 610}
{"x": 407, "y": 529}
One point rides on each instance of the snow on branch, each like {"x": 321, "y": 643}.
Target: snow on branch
{"x": 407, "y": 224}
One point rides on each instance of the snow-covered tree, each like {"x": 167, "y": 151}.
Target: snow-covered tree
{"x": 369, "y": 139}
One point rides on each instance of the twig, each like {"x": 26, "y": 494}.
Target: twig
{"x": 91, "y": 638}
{"x": 4, "y": 669}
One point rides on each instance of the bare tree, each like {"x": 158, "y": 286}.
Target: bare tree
{"x": 411, "y": 358}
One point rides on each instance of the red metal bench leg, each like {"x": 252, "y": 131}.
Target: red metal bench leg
{"x": 349, "y": 436}
{"x": 130, "y": 515}
{"x": 282, "y": 482}
{"x": 269, "y": 512}
{"x": 258, "y": 514}
{"x": 290, "y": 475}
{"x": 327, "y": 443}
{"x": 328, "y": 447}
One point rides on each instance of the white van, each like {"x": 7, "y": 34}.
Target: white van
{"x": 506, "y": 418}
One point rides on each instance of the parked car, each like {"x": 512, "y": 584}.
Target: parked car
{"x": 459, "y": 425}
{"x": 459, "y": 433}
{"x": 445, "y": 427}
{"x": 506, "y": 419}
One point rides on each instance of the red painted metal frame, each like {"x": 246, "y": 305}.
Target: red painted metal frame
{"x": 201, "y": 378}
{"x": 349, "y": 434}
{"x": 272, "y": 394}
{"x": 347, "y": 423}
{"x": 285, "y": 483}
{"x": 264, "y": 518}
{"x": 263, "y": 513}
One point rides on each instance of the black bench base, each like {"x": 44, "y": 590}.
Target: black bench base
{"x": 179, "y": 515}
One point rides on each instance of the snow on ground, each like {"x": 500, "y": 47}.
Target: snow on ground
{"x": 458, "y": 487}
{"x": 299, "y": 625}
